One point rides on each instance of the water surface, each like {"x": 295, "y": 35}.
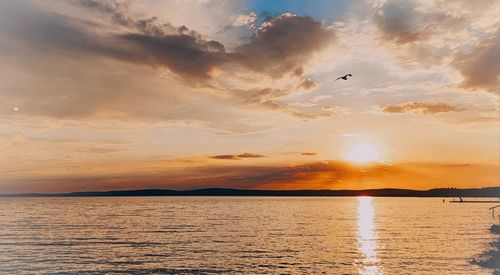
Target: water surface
{"x": 241, "y": 234}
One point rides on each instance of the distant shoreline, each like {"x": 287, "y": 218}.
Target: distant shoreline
{"x": 487, "y": 192}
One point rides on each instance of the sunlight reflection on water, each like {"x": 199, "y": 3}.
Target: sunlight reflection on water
{"x": 367, "y": 236}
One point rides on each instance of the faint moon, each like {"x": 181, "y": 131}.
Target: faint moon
{"x": 15, "y": 108}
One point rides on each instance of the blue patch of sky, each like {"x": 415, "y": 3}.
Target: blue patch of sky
{"x": 325, "y": 10}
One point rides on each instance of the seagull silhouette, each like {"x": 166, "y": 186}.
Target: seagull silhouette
{"x": 343, "y": 77}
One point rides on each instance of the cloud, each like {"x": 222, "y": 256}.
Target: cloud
{"x": 250, "y": 155}
{"x": 268, "y": 98}
{"x": 280, "y": 45}
{"x": 307, "y": 84}
{"x": 100, "y": 150}
{"x": 317, "y": 174}
{"x": 181, "y": 50}
{"x": 419, "y": 33}
{"x": 238, "y": 157}
{"x": 431, "y": 108}
{"x": 480, "y": 67}
{"x": 402, "y": 21}
{"x": 342, "y": 175}
{"x": 424, "y": 34}
{"x": 52, "y": 32}
{"x": 283, "y": 45}
{"x": 231, "y": 157}
{"x": 183, "y": 54}
{"x": 309, "y": 175}
{"x": 309, "y": 154}
{"x": 331, "y": 108}
{"x": 396, "y": 19}
{"x": 479, "y": 119}
{"x": 91, "y": 46}
{"x": 117, "y": 9}
{"x": 244, "y": 19}
{"x": 119, "y": 13}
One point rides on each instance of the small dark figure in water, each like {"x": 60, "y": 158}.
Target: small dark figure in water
{"x": 460, "y": 198}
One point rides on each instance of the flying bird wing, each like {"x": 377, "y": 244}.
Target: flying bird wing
{"x": 343, "y": 77}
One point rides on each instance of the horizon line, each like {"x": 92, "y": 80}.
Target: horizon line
{"x": 493, "y": 191}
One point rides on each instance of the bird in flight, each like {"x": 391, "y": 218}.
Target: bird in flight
{"x": 343, "y": 77}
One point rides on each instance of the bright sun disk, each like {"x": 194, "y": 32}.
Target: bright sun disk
{"x": 363, "y": 153}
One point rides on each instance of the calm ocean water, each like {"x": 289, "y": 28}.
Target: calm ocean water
{"x": 241, "y": 234}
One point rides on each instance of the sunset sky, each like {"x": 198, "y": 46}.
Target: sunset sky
{"x": 106, "y": 95}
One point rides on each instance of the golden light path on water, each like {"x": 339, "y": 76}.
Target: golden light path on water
{"x": 367, "y": 237}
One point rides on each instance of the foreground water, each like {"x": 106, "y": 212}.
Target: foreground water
{"x": 241, "y": 234}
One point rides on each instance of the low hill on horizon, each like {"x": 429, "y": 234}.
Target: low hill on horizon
{"x": 492, "y": 192}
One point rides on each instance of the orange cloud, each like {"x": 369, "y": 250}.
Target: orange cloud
{"x": 431, "y": 108}
{"x": 307, "y": 84}
{"x": 238, "y": 157}
{"x": 309, "y": 175}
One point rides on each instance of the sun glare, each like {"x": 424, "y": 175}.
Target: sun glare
{"x": 363, "y": 153}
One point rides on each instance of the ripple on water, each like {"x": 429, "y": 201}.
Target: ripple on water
{"x": 144, "y": 235}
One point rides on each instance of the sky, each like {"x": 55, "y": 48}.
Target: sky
{"x": 114, "y": 95}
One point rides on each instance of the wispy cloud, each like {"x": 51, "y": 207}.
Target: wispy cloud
{"x": 238, "y": 157}
{"x": 428, "y": 108}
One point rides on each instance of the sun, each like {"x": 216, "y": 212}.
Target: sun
{"x": 363, "y": 153}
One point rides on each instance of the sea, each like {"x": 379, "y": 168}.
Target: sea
{"x": 242, "y": 235}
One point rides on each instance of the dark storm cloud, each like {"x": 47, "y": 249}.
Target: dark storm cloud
{"x": 431, "y": 108}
